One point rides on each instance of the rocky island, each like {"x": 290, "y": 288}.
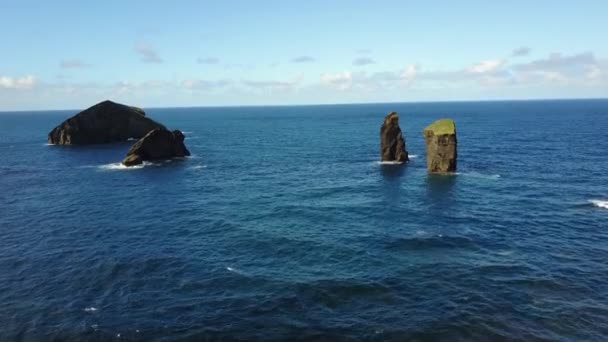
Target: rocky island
{"x": 111, "y": 122}
{"x": 441, "y": 146}
{"x": 158, "y": 144}
{"x": 392, "y": 142}
{"x": 105, "y": 122}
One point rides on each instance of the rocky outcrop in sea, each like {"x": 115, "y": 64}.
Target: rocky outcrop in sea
{"x": 441, "y": 146}
{"x": 158, "y": 144}
{"x": 105, "y": 122}
{"x": 392, "y": 142}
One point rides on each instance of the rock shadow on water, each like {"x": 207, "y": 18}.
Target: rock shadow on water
{"x": 82, "y": 155}
{"x": 393, "y": 174}
{"x": 440, "y": 188}
{"x": 392, "y": 171}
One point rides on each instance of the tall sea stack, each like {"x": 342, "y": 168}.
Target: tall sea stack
{"x": 392, "y": 142}
{"x": 441, "y": 146}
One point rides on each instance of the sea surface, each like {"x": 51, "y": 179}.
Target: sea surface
{"x": 283, "y": 225}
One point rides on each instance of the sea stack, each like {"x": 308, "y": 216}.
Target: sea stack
{"x": 105, "y": 122}
{"x": 158, "y": 144}
{"x": 441, "y": 146}
{"x": 392, "y": 142}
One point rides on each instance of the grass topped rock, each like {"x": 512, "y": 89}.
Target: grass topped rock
{"x": 441, "y": 146}
{"x": 105, "y": 122}
{"x": 392, "y": 142}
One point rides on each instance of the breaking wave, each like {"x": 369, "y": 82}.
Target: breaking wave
{"x": 120, "y": 166}
{"x": 599, "y": 203}
{"x": 389, "y": 162}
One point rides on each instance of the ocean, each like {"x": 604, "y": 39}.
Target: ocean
{"x": 283, "y": 225}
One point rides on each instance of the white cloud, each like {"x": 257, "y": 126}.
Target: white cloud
{"x": 580, "y": 70}
{"x": 409, "y": 73}
{"x": 489, "y": 65}
{"x": 197, "y": 84}
{"x": 553, "y": 76}
{"x": 124, "y": 87}
{"x": 24, "y": 82}
{"x": 274, "y": 84}
{"x": 557, "y": 61}
{"x": 558, "y": 75}
{"x": 192, "y": 84}
{"x": 341, "y": 80}
{"x": 155, "y": 84}
{"x": 348, "y": 80}
{"x": 560, "y": 69}
{"x": 594, "y": 72}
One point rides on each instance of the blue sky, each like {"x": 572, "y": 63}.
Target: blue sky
{"x": 71, "y": 54}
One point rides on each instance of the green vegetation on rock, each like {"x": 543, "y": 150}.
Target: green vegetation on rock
{"x": 443, "y": 126}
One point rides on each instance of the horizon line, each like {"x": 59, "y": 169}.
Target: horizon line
{"x": 320, "y": 104}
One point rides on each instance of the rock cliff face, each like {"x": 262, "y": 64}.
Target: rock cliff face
{"x": 105, "y": 122}
{"x": 392, "y": 142}
{"x": 157, "y": 145}
{"x": 441, "y": 146}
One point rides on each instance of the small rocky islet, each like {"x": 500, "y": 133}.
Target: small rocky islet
{"x": 111, "y": 122}
{"x": 158, "y": 144}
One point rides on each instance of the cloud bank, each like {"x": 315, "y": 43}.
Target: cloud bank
{"x": 583, "y": 69}
{"x": 555, "y": 75}
{"x": 18, "y": 83}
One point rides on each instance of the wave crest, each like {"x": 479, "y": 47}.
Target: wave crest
{"x": 120, "y": 166}
{"x": 389, "y": 162}
{"x": 599, "y": 203}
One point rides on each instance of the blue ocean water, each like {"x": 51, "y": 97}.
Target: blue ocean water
{"x": 283, "y": 225}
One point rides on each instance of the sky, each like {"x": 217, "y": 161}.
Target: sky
{"x": 72, "y": 54}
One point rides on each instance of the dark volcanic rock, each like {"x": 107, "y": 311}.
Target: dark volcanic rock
{"x": 156, "y": 145}
{"x": 441, "y": 146}
{"x": 392, "y": 142}
{"x": 105, "y": 122}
